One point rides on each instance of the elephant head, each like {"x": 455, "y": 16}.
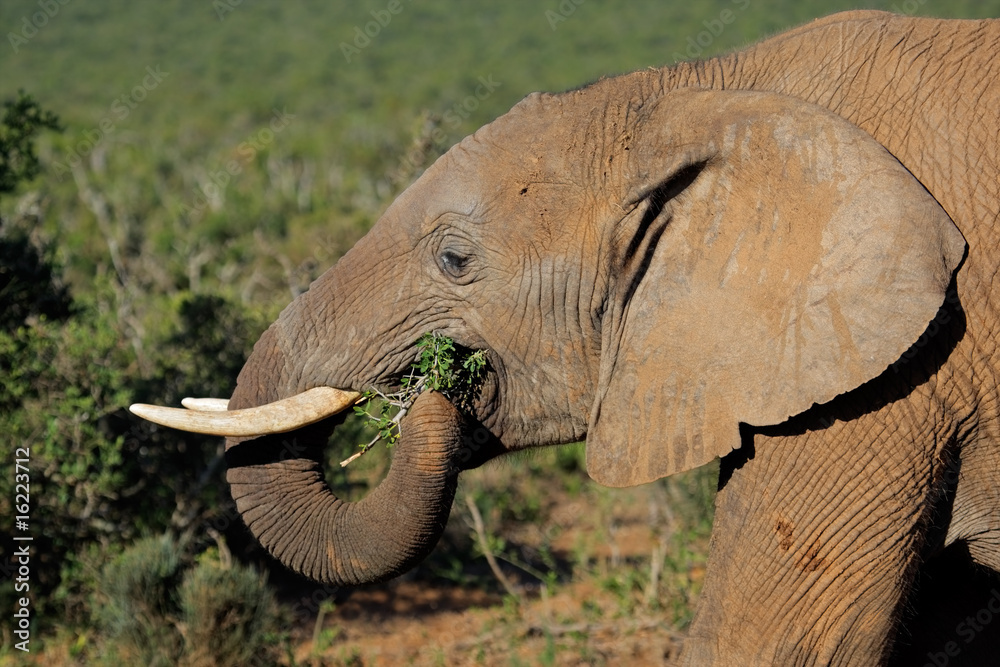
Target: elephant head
{"x": 646, "y": 268}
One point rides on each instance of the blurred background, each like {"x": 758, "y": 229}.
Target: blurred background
{"x": 173, "y": 174}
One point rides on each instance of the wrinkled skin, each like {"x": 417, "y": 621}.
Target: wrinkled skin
{"x": 783, "y": 257}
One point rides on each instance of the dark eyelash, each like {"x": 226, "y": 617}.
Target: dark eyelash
{"x": 453, "y": 264}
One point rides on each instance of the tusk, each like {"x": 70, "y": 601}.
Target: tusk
{"x": 281, "y": 416}
{"x": 206, "y": 404}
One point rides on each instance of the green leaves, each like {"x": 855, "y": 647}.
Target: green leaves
{"x": 383, "y": 421}
{"x": 456, "y": 372}
{"x": 436, "y": 360}
{"x": 22, "y": 119}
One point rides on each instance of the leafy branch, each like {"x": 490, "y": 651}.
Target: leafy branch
{"x": 20, "y": 122}
{"x": 441, "y": 366}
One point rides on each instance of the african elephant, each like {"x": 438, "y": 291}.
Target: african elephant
{"x": 785, "y": 257}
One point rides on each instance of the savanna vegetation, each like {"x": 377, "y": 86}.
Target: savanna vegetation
{"x": 171, "y": 175}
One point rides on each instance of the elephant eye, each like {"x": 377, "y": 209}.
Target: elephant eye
{"x": 454, "y": 264}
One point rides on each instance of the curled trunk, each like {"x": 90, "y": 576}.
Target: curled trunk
{"x": 278, "y": 485}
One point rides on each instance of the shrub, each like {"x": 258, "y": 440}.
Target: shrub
{"x": 154, "y": 611}
{"x": 138, "y": 588}
{"x": 229, "y": 615}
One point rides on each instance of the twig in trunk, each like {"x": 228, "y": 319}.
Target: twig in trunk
{"x": 395, "y": 420}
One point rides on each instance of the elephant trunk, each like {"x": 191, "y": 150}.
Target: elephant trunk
{"x": 278, "y": 485}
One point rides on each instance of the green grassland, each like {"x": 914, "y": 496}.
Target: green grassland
{"x": 310, "y": 190}
{"x": 215, "y": 158}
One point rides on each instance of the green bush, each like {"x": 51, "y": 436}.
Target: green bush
{"x": 154, "y": 611}
{"x": 138, "y": 590}
{"x": 229, "y": 615}
{"x": 29, "y": 281}
{"x": 21, "y": 120}
{"x": 62, "y": 388}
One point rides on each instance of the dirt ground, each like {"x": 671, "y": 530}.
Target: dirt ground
{"x": 606, "y": 601}
{"x": 581, "y": 575}
{"x": 417, "y": 626}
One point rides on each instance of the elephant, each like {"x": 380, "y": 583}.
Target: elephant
{"x": 783, "y": 258}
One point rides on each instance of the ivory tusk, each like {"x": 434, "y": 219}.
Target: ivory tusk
{"x": 281, "y": 416}
{"x": 206, "y": 404}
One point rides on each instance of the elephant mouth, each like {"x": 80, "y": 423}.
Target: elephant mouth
{"x": 212, "y": 416}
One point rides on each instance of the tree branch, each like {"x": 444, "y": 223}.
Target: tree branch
{"x": 477, "y": 519}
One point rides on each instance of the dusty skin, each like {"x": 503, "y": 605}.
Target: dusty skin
{"x": 784, "y": 257}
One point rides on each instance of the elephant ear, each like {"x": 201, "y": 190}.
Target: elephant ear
{"x": 773, "y": 256}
